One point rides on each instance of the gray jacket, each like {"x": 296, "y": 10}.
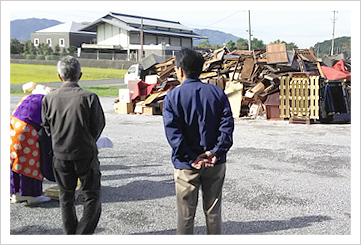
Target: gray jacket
{"x": 74, "y": 119}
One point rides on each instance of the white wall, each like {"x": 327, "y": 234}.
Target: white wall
{"x": 111, "y": 35}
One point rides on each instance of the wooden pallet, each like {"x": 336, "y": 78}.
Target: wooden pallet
{"x": 299, "y": 97}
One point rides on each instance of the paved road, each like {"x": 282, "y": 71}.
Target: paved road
{"x": 282, "y": 179}
{"x": 116, "y": 82}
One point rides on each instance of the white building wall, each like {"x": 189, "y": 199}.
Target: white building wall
{"x": 115, "y": 35}
{"x": 124, "y": 38}
{"x": 112, "y": 35}
{"x": 100, "y": 34}
{"x": 108, "y": 34}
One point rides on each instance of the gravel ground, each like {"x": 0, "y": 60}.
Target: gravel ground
{"x": 282, "y": 179}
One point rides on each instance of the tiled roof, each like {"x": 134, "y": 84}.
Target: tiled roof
{"x": 150, "y": 25}
{"x": 132, "y": 19}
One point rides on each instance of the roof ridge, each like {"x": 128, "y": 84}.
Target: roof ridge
{"x": 147, "y": 18}
{"x": 68, "y": 26}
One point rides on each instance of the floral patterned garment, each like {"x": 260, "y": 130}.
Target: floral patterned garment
{"x": 24, "y": 146}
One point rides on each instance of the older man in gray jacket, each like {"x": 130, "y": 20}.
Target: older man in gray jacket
{"x": 74, "y": 119}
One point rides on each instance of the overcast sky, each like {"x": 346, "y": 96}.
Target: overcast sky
{"x": 304, "y": 23}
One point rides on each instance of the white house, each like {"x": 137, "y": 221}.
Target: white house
{"x": 130, "y": 35}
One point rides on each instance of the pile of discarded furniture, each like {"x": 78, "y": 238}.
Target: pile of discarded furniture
{"x": 272, "y": 84}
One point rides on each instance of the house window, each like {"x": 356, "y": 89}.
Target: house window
{"x": 48, "y": 41}
{"x": 36, "y": 42}
{"x": 61, "y": 42}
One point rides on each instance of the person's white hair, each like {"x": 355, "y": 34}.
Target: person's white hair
{"x": 69, "y": 68}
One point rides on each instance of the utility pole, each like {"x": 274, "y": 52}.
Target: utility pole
{"x": 249, "y": 30}
{"x": 141, "y": 39}
{"x": 333, "y": 32}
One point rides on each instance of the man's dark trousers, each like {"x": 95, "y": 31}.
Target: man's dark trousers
{"x": 66, "y": 175}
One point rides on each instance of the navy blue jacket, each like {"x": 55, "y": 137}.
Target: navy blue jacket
{"x": 197, "y": 118}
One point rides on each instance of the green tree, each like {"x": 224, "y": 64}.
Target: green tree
{"x": 242, "y": 44}
{"x": 289, "y": 46}
{"x": 29, "y": 47}
{"x": 72, "y": 50}
{"x": 63, "y": 51}
{"x": 341, "y": 45}
{"x": 257, "y": 44}
{"x": 15, "y": 46}
{"x": 217, "y": 46}
{"x": 57, "y": 50}
{"x": 44, "y": 49}
{"x": 278, "y": 41}
{"x": 205, "y": 44}
{"x": 231, "y": 45}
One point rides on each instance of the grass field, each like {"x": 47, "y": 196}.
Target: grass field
{"x": 23, "y": 73}
{"x": 101, "y": 91}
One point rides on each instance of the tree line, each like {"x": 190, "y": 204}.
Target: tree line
{"x": 242, "y": 44}
{"x": 341, "y": 45}
{"x": 41, "y": 52}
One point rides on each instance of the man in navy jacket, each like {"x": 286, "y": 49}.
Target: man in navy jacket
{"x": 199, "y": 125}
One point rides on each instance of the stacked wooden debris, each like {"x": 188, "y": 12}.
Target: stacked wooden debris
{"x": 146, "y": 97}
{"x": 251, "y": 79}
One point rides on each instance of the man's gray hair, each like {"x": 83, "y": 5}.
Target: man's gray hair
{"x": 69, "y": 68}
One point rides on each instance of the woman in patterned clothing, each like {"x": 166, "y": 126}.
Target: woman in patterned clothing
{"x": 30, "y": 161}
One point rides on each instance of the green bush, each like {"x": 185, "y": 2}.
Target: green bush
{"x": 52, "y": 57}
{"x": 40, "y": 57}
{"x": 17, "y": 56}
{"x": 30, "y": 57}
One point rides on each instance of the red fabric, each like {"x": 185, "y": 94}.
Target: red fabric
{"x": 142, "y": 88}
{"x": 337, "y": 71}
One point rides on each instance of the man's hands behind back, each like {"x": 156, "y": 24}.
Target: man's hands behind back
{"x": 204, "y": 160}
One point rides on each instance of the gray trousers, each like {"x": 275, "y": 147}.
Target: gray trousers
{"x": 66, "y": 175}
{"x": 187, "y": 183}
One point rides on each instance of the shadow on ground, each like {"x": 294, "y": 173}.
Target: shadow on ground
{"x": 253, "y": 227}
{"x": 138, "y": 191}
